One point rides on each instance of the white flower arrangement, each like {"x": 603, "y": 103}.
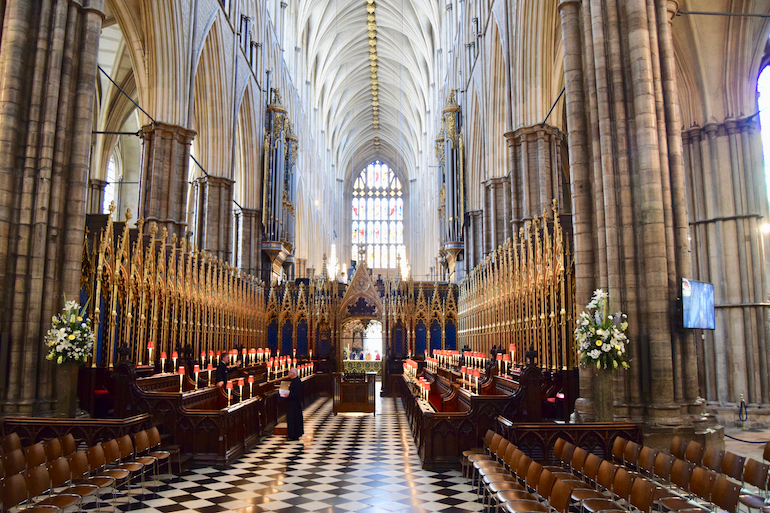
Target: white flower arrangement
{"x": 71, "y": 337}
{"x": 600, "y": 336}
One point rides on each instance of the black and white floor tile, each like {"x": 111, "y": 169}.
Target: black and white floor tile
{"x": 343, "y": 464}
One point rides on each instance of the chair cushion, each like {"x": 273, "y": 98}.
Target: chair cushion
{"x": 523, "y": 506}
{"x": 61, "y": 501}
{"x": 502, "y": 486}
{"x": 514, "y": 495}
{"x": 753, "y": 501}
{"x": 594, "y": 505}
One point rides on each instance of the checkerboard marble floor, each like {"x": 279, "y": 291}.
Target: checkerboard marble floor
{"x": 344, "y": 463}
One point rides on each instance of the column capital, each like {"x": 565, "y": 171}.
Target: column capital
{"x": 564, "y": 3}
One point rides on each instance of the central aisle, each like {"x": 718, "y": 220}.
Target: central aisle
{"x": 342, "y": 464}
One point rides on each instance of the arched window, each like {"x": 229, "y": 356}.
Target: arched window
{"x": 109, "y": 189}
{"x": 378, "y": 216}
{"x": 763, "y": 88}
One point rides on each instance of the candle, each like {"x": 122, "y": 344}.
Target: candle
{"x": 162, "y": 362}
{"x": 196, "y": 370}
{"x": 181, "y": 377}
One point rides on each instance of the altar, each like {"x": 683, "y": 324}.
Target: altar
{"x": 362, "y": 366}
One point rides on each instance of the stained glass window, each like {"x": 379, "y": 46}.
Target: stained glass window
{"x": 378, "y": 215}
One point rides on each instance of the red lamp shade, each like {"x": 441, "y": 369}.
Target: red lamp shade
{"x": 294, "y": 361}
{"x": 251, "y": 378}
{"x": 174, "y": 355}
{"x": 252, "y": 351}
{"x": 229, "y": 385}
{"x": 203, "y": 355}
{"x": 163, "y": 356}
{"x": 240, "y": 382}
{"x": 181, "y": 370}
{"x": 197, "y": 369}
{"x": 476, "y": 373}
{"x": 150, "y": 345}
{"x": 512, "y": 348}
{"x": 243, "y": 352}
{"x": 499, "y": 356}
{"x": 506, "y": 358}
{"x": 463, "y": 369}
{"x": 210, "y": 368}
{"x": 211, "y": 354}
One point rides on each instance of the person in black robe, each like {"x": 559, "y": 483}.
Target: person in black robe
{"x": 294, "y": 420}
{"x": 221, "y": 378}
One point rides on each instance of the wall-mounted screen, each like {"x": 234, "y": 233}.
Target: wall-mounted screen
{"x": 697, "y": 305}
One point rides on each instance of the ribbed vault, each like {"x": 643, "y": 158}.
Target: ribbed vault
{"x": 337, "y": 41}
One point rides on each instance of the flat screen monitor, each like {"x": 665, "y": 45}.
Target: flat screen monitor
{"x": 697, "y": 305}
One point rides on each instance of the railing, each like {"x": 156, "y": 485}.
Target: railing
{"x": 90, "y": 431}
{"x": 537, "y": 439}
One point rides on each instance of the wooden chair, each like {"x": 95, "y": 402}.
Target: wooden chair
{"x": 755, "y": 474}
{"x": 631, "y": 454}
{"x": 496, "y": 438}
{"x": 579, "y": 457}
{"x": 463, "y": 460}
{"x": 14, "y": 492}
{"x": 39, "y": 482}
{"x": 501, "y": 482}
{"x": 68, "y": 444}
{"x": 725, "y": 494}
{"x": 97, "y": 462}
{"x": 678, "y": 446}
{"x": 53, "y": 449}
{"x": 645, "y": 464}
{"x": 694, "y": 452}
{"x": 701, "y": 484}
{"x": 621, "y": 489}
{"x": 605, "y": 478}
{"x": 142, "y": 450}
{"x": 79, "y": 470}
{"x": 662, "y": 468}
{"x": 732, "y": 465}
{"x": 35, "y": 455}
{"x": 61, "y": 476}
{"x": 558, "y": 447}
{"x": 14, "y": 462}
{"x": 10, "y": 442}
{"x": 766, "y": 452}
{"x": 618, "y": 449}
{"x": 113, "y": 455}
{"x": 165, "y": 454}
{"x": 544, "y": 487}
{"x": 712, "y": 459}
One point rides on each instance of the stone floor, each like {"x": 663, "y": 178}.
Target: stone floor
{"x": 344, "y": 463}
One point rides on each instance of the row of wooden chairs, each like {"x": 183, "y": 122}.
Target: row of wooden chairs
{"x": 680, "y": 484}
{"x": 747, "y": 471}
{"x": 512, "y": 480}
{"x": 42, "y": 468}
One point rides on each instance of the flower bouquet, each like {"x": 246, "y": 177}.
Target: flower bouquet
{"x": 71, "y": 338}
{"x": 600, "y": 335}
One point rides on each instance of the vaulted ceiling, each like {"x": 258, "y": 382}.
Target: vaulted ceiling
{"x": 338, "y": 38}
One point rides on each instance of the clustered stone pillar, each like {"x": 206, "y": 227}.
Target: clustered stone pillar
{"x": 727, "y": 202}
{"x": 249, "y": 229}
{"x": 536, "y": 179}
{"x": 164, "y": 179}
{"x": 48, "y": 54}
{"x": 497, "y": 213}
{"x": 627, "y": 180}
{"x": 96, "y": 195}
{"x": 214, "y": 216}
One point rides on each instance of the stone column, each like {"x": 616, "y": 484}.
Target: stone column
{"x": 163, "y": 183}
{"x": 727, "y": 206}
{"x": 214, "y": 216}
{"x": 48, "y": 53}
{"x": 629, "y": 227}
{"x": 536, "y": 175}
{"x": 96, "y": 195}
{"x": 249, "y": 230}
